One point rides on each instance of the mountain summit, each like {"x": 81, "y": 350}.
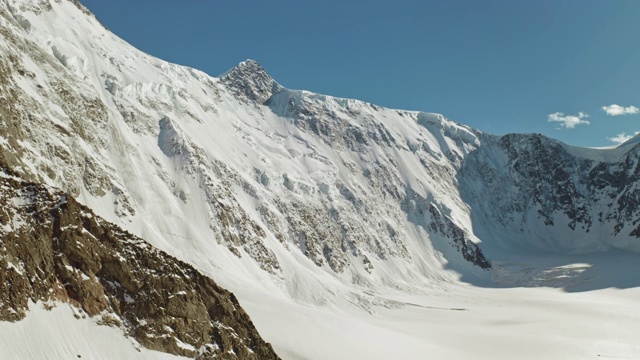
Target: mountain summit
{"x": 250, "y": 81}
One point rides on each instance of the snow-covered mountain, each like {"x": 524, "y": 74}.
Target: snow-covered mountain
{"x": 542, "y": 194}
{"x": 236, "y": 167}
{"x": 306, "y": 198}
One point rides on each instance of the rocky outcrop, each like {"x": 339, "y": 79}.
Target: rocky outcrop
{"x": 445, "y": 226}
{"x": 250, "y": 82}
{"x": 54, "y": 249}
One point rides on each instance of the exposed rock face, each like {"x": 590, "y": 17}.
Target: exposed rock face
{"x": 555, "y": 196}
{"x": 260, "y": 87}
{"x": 53, "y": 248}
{"x": 443, "y": 225}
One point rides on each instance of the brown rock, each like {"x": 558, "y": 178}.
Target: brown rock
{"x": 63, "y": 252}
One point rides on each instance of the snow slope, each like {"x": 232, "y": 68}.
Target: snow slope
{"x": 311, "y": 206}
{"x": 200, "y": 168}
{"x": 57, "y": 334}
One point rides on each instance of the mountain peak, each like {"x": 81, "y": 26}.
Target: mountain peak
{"x": 250, "y": 81}
{"x": 250, "y": 63}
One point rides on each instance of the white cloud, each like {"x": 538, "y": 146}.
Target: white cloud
{"x": 617, "y": 110}
{"x": 622, "y": 137}
{"x": 569, "y": 121}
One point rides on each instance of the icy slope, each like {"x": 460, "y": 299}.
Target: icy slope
{"x": 52, "y": 334}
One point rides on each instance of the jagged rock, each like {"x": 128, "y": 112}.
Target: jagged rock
{"x": 540, "y": 187}
{"x": 55, "y": 249}
{"x": 249, "y": 81}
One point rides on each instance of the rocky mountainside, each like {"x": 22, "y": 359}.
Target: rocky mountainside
{"x": 541, "y": 194}
{"x": 55, "y": 250}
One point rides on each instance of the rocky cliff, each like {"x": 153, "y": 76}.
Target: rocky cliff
{"x": 554, "y": 197}
{"x": 55, "y": 250}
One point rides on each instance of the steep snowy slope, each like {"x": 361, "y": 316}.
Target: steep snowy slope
{"x": 237, "y": 173}
{"x": 294, "y": 199}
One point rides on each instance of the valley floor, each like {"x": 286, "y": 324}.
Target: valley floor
{"x": 461, "y": 321}
{"x": 582, "y": 307}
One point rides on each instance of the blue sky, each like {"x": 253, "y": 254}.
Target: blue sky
{"x": 500, "y": 66}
